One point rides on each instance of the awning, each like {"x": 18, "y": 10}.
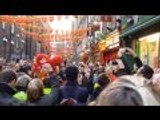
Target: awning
{"x": 140, "y": 27}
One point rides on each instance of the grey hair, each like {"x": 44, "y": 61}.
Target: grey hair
{"x": 23, "y": 81}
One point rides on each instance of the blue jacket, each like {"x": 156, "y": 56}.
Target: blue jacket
{"x": 72, "y": 90}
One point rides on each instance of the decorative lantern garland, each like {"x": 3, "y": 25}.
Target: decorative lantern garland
{"x": 39, "y": 33}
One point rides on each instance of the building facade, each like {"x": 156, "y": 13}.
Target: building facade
{"x": 14, "y": 45}
{"x": 143, "y": 36}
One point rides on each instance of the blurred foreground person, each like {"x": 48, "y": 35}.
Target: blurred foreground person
{"x": 131, "y": 90}
{"x": 118, "y": 93}
{"x": 7, "y": 88}
{"x": 155, "y": 86}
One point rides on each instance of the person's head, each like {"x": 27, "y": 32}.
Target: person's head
{"x": 118, "y": 94}
{"x": 101, "y": 69}
{"x": 103, "y": 80}
{"x": 22, "y": 82}
{"x": 71, "y": 73}
{"x": 146, "y": 71}
{"x": 26, "y": 69}
{"x": 34, "y": 90}
{"x": 9, "y": 77}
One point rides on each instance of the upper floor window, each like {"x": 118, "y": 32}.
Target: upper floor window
{"x": 130, "y": 21}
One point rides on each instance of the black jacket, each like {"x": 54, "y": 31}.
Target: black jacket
{"x": 6, "y": 96}
{"x": 51, "y": 99}
{"x": 95, "y": 94}
{"x": 120, "y": 72}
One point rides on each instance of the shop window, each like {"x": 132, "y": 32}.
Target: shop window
{"x": 149, "y": 49}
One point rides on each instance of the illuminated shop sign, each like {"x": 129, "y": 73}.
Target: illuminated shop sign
{"x": 112, "y": 40}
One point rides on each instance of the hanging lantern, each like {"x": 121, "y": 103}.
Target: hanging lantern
{"x": 40, "y": 37}
{"x": 38, "y": 29}
{"x": 34, "y": 19}
{"x": 5, "y": 18}
{"x": 44, "y": 19}
{"x": 8, "y": 19}
{"x": 23, "y": 19}
{"x": 34, "y": 28}
{"x": 39, "y": 19}
{"x": 27, "y": 20}
{"x": 51, "y": 18}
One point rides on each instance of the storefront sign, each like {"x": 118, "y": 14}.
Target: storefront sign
{"x": 112, "y": 40}
{"x": 102, "y": 45}
{"x": 114, "y": 45}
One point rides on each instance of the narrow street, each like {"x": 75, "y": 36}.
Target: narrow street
{"x": 79, "y": 60}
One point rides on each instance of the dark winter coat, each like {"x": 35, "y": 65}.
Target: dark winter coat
{"x": 6, "y": 96}
{"x": 51, "y": 99}
{"x": 72, "y": 90}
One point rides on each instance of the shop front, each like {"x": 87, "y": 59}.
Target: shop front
{"x": 144, "y": 39}
{"x": 84, "y": 56}
{"x": 94, "y": 55}
{"x": 102, "y": 48}
{"x": 149, "y": 49}
{"x": 112, "y": 46}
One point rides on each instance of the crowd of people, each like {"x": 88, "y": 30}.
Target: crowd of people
{"x": 125, "y": 81}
